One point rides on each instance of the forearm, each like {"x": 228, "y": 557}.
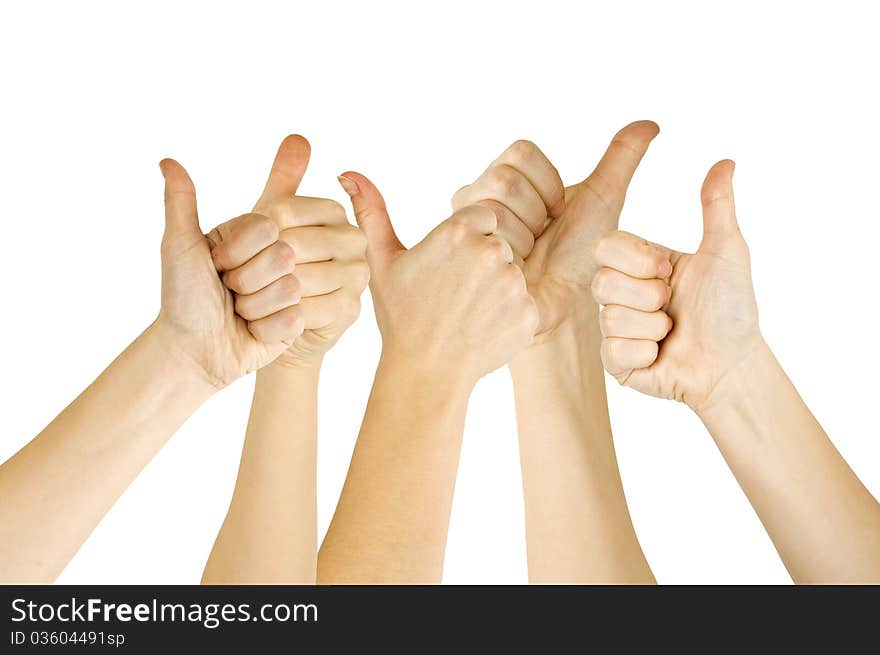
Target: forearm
{"x": 824, "y": 523}
{"x": 270, "y": 532}
{"x": 57, "y": 488}
{"x": 578, "y": 528}
{"x": 391, "y": 522}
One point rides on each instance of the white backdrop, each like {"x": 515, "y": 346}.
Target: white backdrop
{"x": 421, "y": 98}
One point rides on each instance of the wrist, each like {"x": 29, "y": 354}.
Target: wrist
{"x": 178, "y": 366}
{"x": 285, "y": 366}
{"x": 738, "y": 385}
{"x": 443, "y": 380}
{"x": 572, "y": 345}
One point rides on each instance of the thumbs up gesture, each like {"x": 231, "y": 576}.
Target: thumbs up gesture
{"x": 675, "y": 324}
{"x": 198, "y": 315}
{"x": 455, "y": 306}
{"x": 331, "y": 268}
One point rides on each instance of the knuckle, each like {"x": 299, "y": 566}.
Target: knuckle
{"x": 334, "y": 208}
{"x": 491, "y": 211}
{"x": 522, "y": 150}
{"x": 241, "y": 307}
{"x": 603, "y": 246}
{"x": 358, "y": 239}
{"x": 284, "y": 255}
{"x": 502, "y": 179}
{"x": 666, "y": 324}
{"x": 458, "y": 198}
{"x": 360, "y": 273}
{"x": 600, "y": 285}
{"x": 659, "y": 295}
{"x": 649, "y": 353}
{"x": 458, "y": 229}
{"x": 264, "y": 226}
{"x": 290, "y": 319}
{"x": 233, "y": 281}
{"x": 608, "y": 350}
{"x": 494, "y": 251}
{"x": 290, "y": 287}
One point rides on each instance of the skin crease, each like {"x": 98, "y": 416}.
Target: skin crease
{"x": 450, "y": 309}
{"x": 58, "y": 487}
{"x": 685, "y": 326}
{"x": 269, "y": 535}
{"x": 578, "y": 528}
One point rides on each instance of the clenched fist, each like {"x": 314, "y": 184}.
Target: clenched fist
{"x": 675, "y": 324}
{"x": 329, "y": 252}
{"x": 197, "y": 317}
{"x": 563, "y": 223}
{"x": 455, "y": 304}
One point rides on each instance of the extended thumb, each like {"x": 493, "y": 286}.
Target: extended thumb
{"x": 372, "y": 216}
{"x": 181, "y": 214}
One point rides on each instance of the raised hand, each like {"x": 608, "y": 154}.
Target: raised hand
{"x": 331, "y": 267}
{"x": 524, "y": 189}
{"x": 563, "y": 224}
{"x": 197, "y": 315}
{"x": 675, "y": 324}
{"x": 455, "y": 302}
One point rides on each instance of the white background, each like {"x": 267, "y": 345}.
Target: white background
{"x": 421, "y": 97}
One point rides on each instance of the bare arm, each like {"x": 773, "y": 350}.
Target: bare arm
{"x": 578, "y": 527}
{"x": 391, "y": 521}
{"x": 450, "y": 309}
{"x": 57, "y": 488}
{"x": 685, "y": 326}
{"x": 270, "y": 533}
{"x": 821, "y": 518}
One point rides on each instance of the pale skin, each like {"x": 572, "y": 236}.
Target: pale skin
{"x": 684, "y": 326}
{"x": 57, "y": 488}
{"x": 270, "y": 532}
{"x": 450, "y": 309}
{"x": 578, "y": 527}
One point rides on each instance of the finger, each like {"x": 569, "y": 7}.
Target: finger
{"x": 499, "y": 249}
{"x": 511, "y": 229}
{"x": 340, "y": 307}
{"x": 302, "y": 211}
{"x": 250, "y": 235}
{"x": 719, "y": 212}
{"x": 281, "y": 327}
{"x": 505, "y": 184}
{"x": 627, "y": 323}
{"x": 620, "y": 356}
{"x": 481, "y": 219}
{"x": 527, "y": 158}
{"x": 283, "y": 292}
{"x": 271, "y": 263}
{"x": 633, "y": 255}
{"x": 325, "y": 277}
{"x": 181, "y": 213}
{"x": 287, "y": 170}
{"x": 611, "y": 287}
{"x": 319, "y": 244}
{"x": 612, "y": 175}
{"x": 372, "y": 217}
